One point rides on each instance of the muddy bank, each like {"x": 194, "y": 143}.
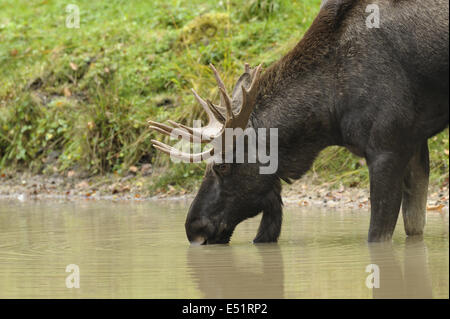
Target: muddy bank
{"x": 136, "y": 187}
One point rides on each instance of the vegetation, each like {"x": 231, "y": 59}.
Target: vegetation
{"x": 78, "y": 98}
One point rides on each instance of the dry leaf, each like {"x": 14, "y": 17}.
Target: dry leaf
{"x": 73, "y": 66}
{"x": 90, "y": 125}
{"x": 133, "y": 169}
{"x": 67, "y": 92}
{"x": 436, "y": 208}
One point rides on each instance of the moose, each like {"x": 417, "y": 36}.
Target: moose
{"x": 380, "y": 92}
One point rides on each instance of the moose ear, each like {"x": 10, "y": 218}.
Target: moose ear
{"x": 244, "y": 80}
{"x": 335, "y": 10}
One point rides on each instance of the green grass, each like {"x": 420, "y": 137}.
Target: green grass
{"x": 78, "y": 99}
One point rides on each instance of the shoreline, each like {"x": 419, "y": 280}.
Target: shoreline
{"x": 302, "y": 193}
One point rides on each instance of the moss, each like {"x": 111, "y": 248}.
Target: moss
{"x": 204, "y": 28}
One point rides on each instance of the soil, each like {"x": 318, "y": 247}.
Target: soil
{"x": 135, "y": 186}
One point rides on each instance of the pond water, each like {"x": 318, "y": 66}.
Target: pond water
{"x": 140, "y": 250}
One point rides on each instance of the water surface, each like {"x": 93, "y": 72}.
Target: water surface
{"x": 139, "y": 250}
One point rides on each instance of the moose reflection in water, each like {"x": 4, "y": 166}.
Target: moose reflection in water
{"x": 221, "y": 273}
{"x": 413, "y": 281}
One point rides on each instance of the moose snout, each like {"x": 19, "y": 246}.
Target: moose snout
{"x": 203, "y": 231}
{"x": 198, "y": 230}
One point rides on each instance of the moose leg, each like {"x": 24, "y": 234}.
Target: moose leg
{"x": 270, "y": 226}
{"x": 415, "y": 188}
{"x": 386, "y": 177}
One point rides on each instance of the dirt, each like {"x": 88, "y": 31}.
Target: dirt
{"x": 135, "y": 186}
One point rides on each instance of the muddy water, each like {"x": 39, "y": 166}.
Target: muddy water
{"x": 139, "y": 250}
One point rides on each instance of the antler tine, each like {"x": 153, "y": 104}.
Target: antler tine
{"x": 179, "y": 125}
{"x": 248, "y": 100}
{"x": 201, "y": 101}
{"x": 179, "y": 131}
{"x": 195, "y": 133}
{"x": 192, "y": 158}
{"x": 215, "y": 118}
{"x": 215, "y": 109}
{"x": 217, "y": 76}
{"x": 227, "y": 100}
{"x": 247, "y": 68}
{"x": 162, "y": 128}
{"x": 221, "y": 86}
{"x": 212, "y": 112}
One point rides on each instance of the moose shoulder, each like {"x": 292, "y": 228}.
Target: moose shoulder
{"x": 381, "y": 92}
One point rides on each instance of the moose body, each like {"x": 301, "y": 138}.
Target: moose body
{"x": 379, "y": 92}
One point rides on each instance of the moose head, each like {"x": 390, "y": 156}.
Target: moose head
{"x": 232, "y": 190}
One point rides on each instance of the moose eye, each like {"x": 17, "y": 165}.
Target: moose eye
{"x": 223, "y": 169}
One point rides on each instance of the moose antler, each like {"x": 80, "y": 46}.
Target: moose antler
{"x": 203, "y": 135}
{"x": 219, "y": 117}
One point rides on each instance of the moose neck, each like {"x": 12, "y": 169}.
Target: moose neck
{"x": 296, "y": 96}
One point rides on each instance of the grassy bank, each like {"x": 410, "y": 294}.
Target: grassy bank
{"x": 77, "y": 99}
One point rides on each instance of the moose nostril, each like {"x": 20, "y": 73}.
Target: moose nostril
{"x": 198, "y": 240}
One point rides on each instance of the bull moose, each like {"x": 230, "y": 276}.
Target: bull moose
{"x": 380, "y": 92}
